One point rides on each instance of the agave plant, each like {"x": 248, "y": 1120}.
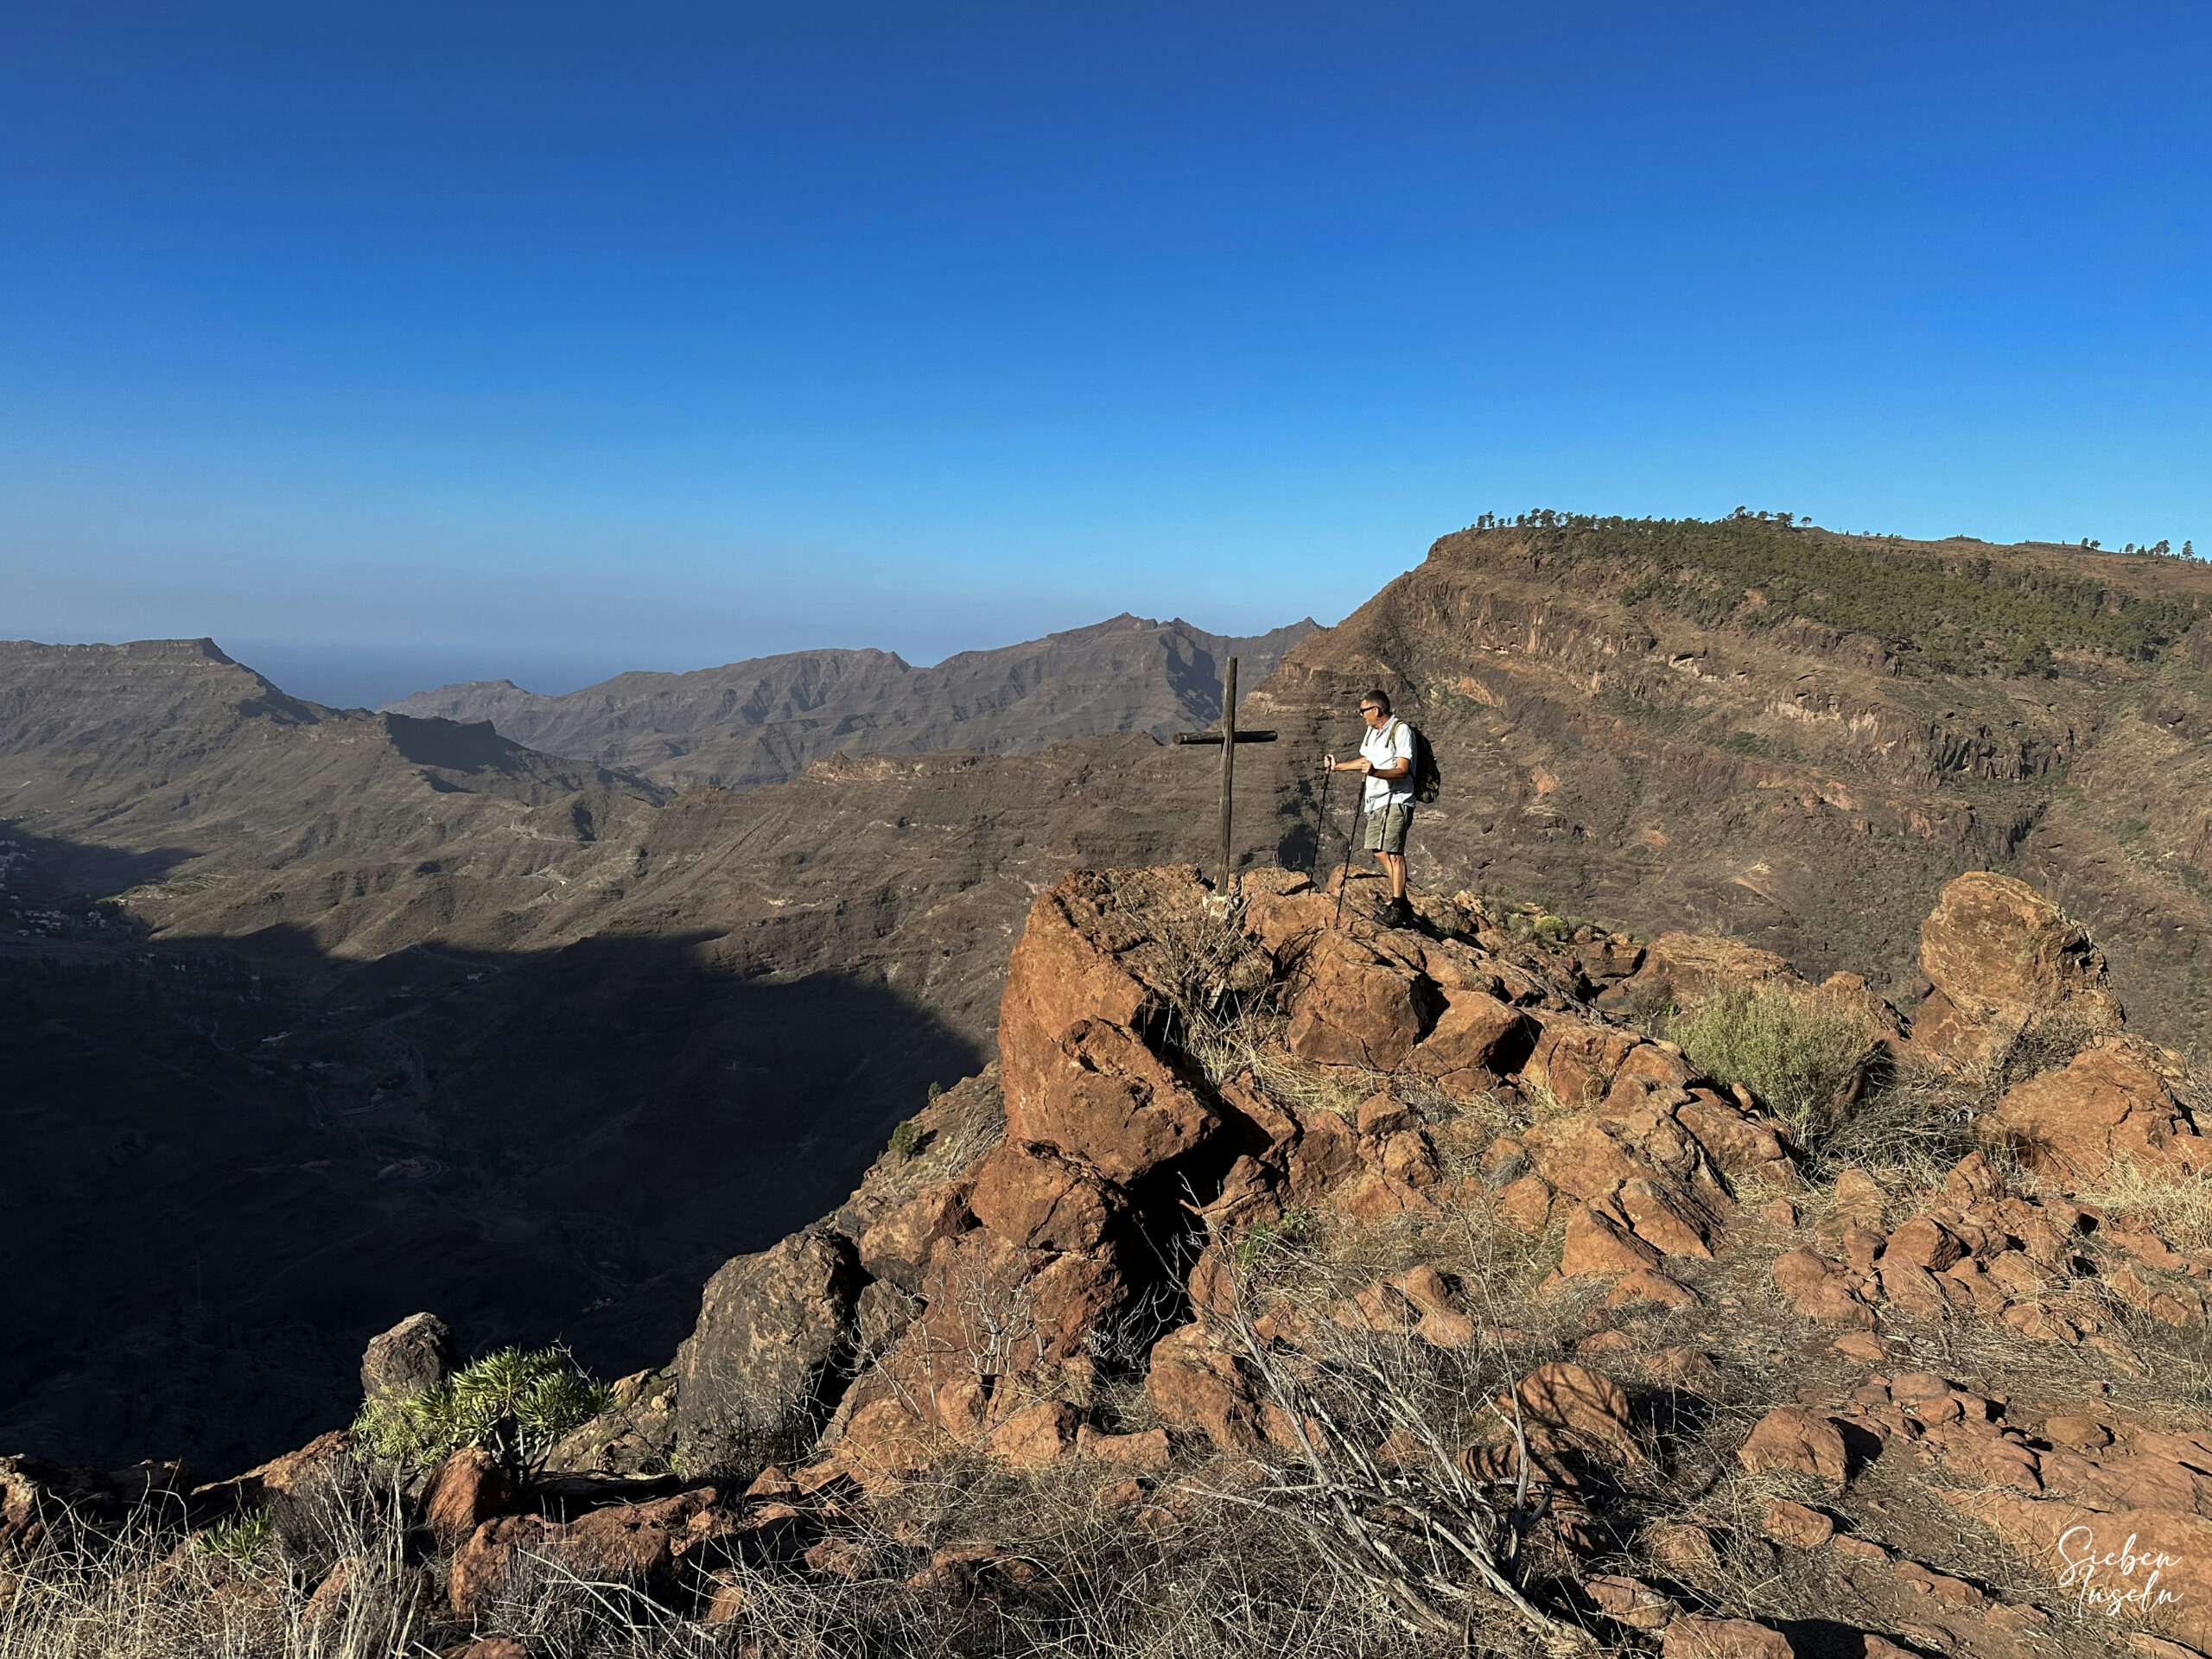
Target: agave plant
{"x": 514, "y": 1404}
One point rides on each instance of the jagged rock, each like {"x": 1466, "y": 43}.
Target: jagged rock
{"x": 1817, "y": 1289}
{"x": 1475, "y": 1042}
{"x": 897, "y": 1245}
{"x": 1355, "y": 1006}
{"x": 1038, "y": 1434}
{"x": 2002, "y": 958}
{"x": 412, "y": 1357}
{"x": 2112, "y": 1101}
{"x": 1035, "y": 1199}
{"x": 635, "y": 1544}
{"x": 1077, "y": 1077}
{"x": 763, "y": 1361}
{"x": 1921, "y": 1241}
{"x": 1196, "y": 1388}
{"x": 635, "y": 1434}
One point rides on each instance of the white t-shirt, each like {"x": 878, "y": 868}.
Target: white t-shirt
{"x": 1386, "y": 747}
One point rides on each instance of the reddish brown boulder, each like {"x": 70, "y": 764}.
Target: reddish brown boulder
{"x": 1598, "y": 1242}
{"x": 1075, "y": 1077}
{"x": 1577, "y": 1062}
{"x": 469, "y": 1488}
{"x": 2112, "y": 1100}
{"x": 1817, "y": 1289}
{"x": 1790, "y": 1440}
{"x": 2001, "y": 957}
{"x": 897, "y": 1245}
{"x": 1196, "y": 1388}
{"x": 1476, "y": 1040}
{"x": 1038, "y": 1434}
{"x": 1033, "y": 1198}
{"x": 1693, "y": 1637}
{"x": 1144, "y": 1453}
{"x": 1795, "y": 1524}
{"x": 1351, "y": 1006}
{"x": 1922, "y": 1241}
{"x": 637, "y": 1544}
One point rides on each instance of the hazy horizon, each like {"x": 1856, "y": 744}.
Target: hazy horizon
{"x": 369, "y": 674}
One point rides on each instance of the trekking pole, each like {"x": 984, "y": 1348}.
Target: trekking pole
{"x": 1321, "y": 825}
{"x": 1359, "y": 805}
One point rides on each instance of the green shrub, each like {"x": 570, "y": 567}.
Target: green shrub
{"x": 514, "y": 1405}
{"x": 905, "y": 1140}
{"x": 1799, "y": 1054}
{"x": 241, "y": 1540}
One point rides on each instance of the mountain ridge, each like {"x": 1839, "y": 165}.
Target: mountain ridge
{"x": 762, "y": 720}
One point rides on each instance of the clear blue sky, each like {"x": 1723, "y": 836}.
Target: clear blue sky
{"x": 542, "y": 340}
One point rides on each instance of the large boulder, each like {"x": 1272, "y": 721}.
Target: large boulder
{"x": 1352, "y": 1006}
{"x": 1087, "y": 976}
{"x": 412, "y": 1357}
{"x": 765, "y": 1361}
{"x": 2116, "y": 1099}
{"x": 2002, "y": 959}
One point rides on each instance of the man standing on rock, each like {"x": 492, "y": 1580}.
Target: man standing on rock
{"x": 1386, "y": 759}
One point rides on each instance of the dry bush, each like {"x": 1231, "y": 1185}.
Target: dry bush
{"x": 148, "y": 1591}
{"x": 1803, "y": 1055}
{"x": 1371, "y": 1468}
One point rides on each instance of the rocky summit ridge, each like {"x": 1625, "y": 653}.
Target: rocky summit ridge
{"x": 1404, "y": 1289}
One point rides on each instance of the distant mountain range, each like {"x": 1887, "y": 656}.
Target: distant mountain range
{"x": 765, "y": 718}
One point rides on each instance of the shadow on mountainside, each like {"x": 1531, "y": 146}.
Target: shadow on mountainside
{"x": 235, "y": 1160}
{"x": 39, "y": 870}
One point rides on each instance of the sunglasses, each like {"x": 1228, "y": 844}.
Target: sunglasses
{"x": 1369, "y": 709}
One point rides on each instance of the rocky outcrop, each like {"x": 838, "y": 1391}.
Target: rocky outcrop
{"x": 763, "y": 1362}
{"x": 412, "y": 1357}
{"x": 2002, "y": 959}
{"x": 2116, "y": 1101}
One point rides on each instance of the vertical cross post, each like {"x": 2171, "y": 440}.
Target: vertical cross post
{"x": 1228, "y": 767}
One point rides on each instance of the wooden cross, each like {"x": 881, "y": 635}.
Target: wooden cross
{"x": 1229, "y": 737}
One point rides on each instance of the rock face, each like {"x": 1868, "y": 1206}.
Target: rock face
{"x": 412, "y": 1357}
{"x": 761, "y": 1364}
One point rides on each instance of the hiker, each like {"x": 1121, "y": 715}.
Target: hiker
{"x": 1386, "y": 759}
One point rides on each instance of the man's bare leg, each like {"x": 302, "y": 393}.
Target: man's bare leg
{"x": 1394, "y": 866}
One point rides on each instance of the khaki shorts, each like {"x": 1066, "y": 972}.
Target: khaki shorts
{"x": 1387, "y": 827}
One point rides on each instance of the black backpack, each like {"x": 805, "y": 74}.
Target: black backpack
{"x": 1428, "y": 782}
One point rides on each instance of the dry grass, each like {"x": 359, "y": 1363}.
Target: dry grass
{"x": 146, "y": 1590}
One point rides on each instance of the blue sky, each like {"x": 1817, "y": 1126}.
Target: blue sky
{"x": 544, "y": 342}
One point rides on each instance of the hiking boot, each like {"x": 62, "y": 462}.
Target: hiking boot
{"x": 1397, "y": 912}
